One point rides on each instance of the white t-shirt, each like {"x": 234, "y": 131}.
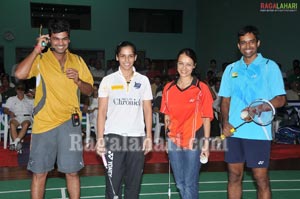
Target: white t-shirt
{"x": 125, "y": 114}
{"x": 97, "y": 72}
{"x": 19, "y": 107}
{"x": 291, "y": 95}
{"x": 217, "y": 101}
{"x": 93, "y": 105}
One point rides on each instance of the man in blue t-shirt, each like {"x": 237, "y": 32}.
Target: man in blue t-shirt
{"x": 250, "y": 78}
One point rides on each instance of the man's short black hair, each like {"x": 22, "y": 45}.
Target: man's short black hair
{"x": 248, "y": 29}
{"x": 58, "y": 25}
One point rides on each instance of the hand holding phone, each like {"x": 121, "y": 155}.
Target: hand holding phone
{"x": 45, "y": 38}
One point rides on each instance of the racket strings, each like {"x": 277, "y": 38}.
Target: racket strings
{"x": 261, "y": 113}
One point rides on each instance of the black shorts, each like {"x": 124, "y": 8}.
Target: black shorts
{"x": 256, "y": 153}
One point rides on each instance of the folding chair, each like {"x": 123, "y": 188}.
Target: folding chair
{"x": 4, "y": 128}
{"x": 156, "y": 128}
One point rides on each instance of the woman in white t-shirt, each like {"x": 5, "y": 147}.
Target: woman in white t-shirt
{"x": 124, "y": 111}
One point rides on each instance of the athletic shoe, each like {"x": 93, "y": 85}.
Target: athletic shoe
{"x": 18, "y": 146}
{"x": 12, "y": 147}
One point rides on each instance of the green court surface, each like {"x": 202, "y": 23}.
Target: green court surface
{"x": 285, "y": 184}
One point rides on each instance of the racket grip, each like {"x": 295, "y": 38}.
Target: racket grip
{"x": 104, "y": 160}
{"x": 232, "y": 130}
{"x": 223, "y": 137}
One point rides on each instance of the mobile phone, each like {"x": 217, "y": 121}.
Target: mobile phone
{"x": 44, "y": 43}
{"x": 75, "y": 119}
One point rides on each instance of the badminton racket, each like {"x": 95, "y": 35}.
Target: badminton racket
{"x": 260, "y": 111}
{"x": 169, "y": 185}
{"x": 169, "y": 172}
{"x": 109, "y": 177}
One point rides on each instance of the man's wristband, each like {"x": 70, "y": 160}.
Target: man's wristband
{"x": 38, "y": 48}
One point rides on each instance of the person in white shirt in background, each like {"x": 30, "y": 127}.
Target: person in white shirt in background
{"x": 291, "y": 89}
{"x": 19, "y": 108}
{"x": 112, "y": 66}
{"x": 217, "y": 101}
{"x": 90, "y": 106}
{"x": 97, "y": 71}
{"x": 216, "y": 126}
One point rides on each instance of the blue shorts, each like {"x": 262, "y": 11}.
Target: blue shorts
{"x": 256, "y": 153}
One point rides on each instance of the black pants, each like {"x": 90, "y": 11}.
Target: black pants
{"x": 125, "y": 160}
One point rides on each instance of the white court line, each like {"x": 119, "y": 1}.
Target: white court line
{"x": 285, "y": 189}
{"x": 94, "y": 186}
{"x": 28, "y": 190}
{"x": 51, "y": 189}
{"x": 153, "y": 184}
{"x": 176, "y": 193}
{"x": 218, "y": 182}
{"x": 16, "y": 191}
{"x": 102, "y": 196}
{"x": 160, "y": 183}
{"x": 296, "y": 180}
{"x": 63, "y": 193}
{"x": 247, "y": 190}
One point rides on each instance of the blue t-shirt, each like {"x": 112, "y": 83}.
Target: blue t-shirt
{"x": 261, "y": 79}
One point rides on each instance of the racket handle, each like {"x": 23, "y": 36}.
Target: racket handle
{"x": 223, "y": 137}
{"x": 104, "y": 160}
{"x": 231, "y": 131}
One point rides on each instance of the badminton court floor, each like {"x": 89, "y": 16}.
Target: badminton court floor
{"x": 212, "y": 185}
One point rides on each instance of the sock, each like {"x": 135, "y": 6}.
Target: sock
{"x": 12, "y": 143}
{"x": 17, "y": 140}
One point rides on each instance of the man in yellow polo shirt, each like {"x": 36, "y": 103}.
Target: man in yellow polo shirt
{"x": 56, "y": 131}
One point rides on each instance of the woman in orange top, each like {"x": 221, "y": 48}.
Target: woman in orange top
{"x": 187, "y": 105}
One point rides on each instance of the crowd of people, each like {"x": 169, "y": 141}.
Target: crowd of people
{"x": 122, "y": 100}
